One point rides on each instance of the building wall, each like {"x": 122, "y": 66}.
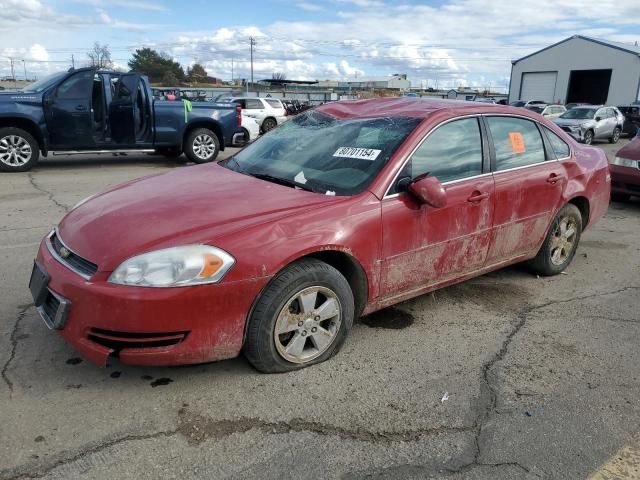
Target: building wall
{"x": 580, "y": 54}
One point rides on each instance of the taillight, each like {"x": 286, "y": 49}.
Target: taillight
{"x": 239, "y": 115}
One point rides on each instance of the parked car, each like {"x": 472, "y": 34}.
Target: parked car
{"x": 549, "y": 111}
{"x": 268, "y": 112}
{"x": 569, "y": 106}
{"x": 344, "y": 210}
{"x": 625, "y": 171}
{"x": 250, "y": 128}
{"x": 294, "y": 107}
{"x": 590, "y": 123}
{"x": 89, "y": 110}
{"x": 524, "y": 103}
{"x": 632, "y": 119}
{"x": 485, "y": 100}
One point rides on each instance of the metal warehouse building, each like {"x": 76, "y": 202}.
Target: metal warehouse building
{"x": 579, "y": 69}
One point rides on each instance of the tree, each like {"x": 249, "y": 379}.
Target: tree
{"x": 155, "y": 65}
{"x": 278, "y": 76}
{"x": 169, "y": 79}
{"x": 197, "y": 73}
{"x": 100, "y": 56}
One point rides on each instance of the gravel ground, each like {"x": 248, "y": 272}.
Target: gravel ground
{"x": 542, "y": 374}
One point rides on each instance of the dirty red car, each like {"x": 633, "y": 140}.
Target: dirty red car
{"x": 344, "y": 210}
{"x": 625, "y": 171}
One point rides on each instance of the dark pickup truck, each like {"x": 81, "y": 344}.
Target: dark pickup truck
{"x": 101, "y": 111}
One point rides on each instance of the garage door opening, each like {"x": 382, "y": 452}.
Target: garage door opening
{"x": 538, "y": 86}
{"x": 589, "y": 86}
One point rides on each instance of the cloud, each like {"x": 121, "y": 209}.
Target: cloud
{"x": 132, "y": 5}
{"x": 309, "y": 6}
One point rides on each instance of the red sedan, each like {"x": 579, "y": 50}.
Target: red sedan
{"x": 343, "y": 210}
{"x": 625, "y": 171}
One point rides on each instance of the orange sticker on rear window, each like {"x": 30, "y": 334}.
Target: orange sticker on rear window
{"x": 517, "y": 142}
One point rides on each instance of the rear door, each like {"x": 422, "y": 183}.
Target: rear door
{"x": 422, "y": 245}
{"x": 122, "y": 110}
{"x": 68, "y": 112}
{"x": 528, "y": 186}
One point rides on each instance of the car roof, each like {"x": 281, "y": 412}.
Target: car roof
{"x": 409, "y": 107}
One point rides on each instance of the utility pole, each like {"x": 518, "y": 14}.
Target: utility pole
{"x": 24, "y": 64}
{"x": 252, "y": 42}
{"x": 73, "y": 62}
{"x": 232, "y": 70}
{"x": 13, "y": 73}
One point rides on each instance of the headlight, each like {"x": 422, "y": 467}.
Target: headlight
{"x": 174, "y": 267}
{"x": 625, "y": 162}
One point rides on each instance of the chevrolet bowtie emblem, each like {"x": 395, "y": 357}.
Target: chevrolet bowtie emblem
{"x": 64, "y": 252}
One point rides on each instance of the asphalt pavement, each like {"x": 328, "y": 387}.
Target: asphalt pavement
{"x": 503, "y": 376}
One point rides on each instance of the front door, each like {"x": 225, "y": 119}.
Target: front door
{"x": 68, "y": 112}
{"x": 528, "y": 186}
{"x": 423, "y": 246}
{"x": 123, "y": 111}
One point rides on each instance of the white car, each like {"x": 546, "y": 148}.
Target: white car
{"x": 549, "y": 111}
{"x": 268, "y": 112}
{"x": 250, "y": 127}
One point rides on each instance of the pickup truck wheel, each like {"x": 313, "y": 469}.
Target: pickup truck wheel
{"x": 615, "y": 136}
{"x": 301, "y": 318}
{"x": 561, "y": 242}
{"x": 19, "y": 151}
{"x": 202, "y": 146}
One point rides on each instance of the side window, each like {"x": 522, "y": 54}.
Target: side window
{"x": 274, "y": 103}
{"x": 517, "y": 142}
{"x": 602, "y": 114}
{"x": 451, "y": 152}
{"x": 559, "y": 147}
{"x": 253, "y": 104}
{"x": 77, "y": 86}
{"x": 611, "y": 113}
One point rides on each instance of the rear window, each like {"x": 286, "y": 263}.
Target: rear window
{"x": 517, "y": 142}
{"x": 273, "y": 103}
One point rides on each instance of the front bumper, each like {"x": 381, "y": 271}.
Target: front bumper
{"x": 625, "y": 180}
{"x": 150, "y": 326}
{"x": 575, "y": 132}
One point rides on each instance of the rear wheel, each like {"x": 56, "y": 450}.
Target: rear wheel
{"x": 561, "y": 242}
{"x": 19, "y": 151}
{"x": 615, "y": 136}
{"x": 202, "y": 145}
{"x": 588, "y": 137}
{"x": 302, "y": 318}
{"x": 269, "y": 124}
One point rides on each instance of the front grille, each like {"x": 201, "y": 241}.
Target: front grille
{"x": 74, "y": 261}
{"x": 54, "y": 310}
{"x": 50, "y": 306}
{"x": 120, "y": 340}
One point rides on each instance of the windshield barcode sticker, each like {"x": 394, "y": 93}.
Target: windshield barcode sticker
{"x": 360, "y": 153}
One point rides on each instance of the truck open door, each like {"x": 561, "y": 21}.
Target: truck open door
{"x": 122, "y": 110}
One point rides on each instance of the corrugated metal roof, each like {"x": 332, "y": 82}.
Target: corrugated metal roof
{"x": 626, "y": 47}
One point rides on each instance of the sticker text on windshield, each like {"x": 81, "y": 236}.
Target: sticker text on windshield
{"x": 360, "y": 153}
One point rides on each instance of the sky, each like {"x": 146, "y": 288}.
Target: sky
{"x": 438, "y": 43}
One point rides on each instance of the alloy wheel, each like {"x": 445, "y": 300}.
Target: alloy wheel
{"x": 204, "y": 146}
{"x": 308, "y": 324}
{"x": 563, "y": 240}
{"x": 15, "y": 151}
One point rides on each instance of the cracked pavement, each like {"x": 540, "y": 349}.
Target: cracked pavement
{"x": 541, "y": 374}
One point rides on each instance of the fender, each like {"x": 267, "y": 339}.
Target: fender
{"x": 35, "y": 126}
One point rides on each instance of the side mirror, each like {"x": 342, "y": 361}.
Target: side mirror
{"x": 428, "y": 190}
{"x": 598, "y": 119}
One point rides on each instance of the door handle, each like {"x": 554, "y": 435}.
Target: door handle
{"x": 554, "y": 178}
{"x": 477, "y": 197}
{"x": 81, "y": 108}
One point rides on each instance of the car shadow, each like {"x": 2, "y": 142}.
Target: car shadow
{"x": 107, "y": 160}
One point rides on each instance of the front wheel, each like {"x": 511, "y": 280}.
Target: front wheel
{"x": 615, "y": 136}
{"x": 202, "y": 146}
{"x": 302, "y": 318}
{"x": 561, "y": 242}
{"x": 588, "y": 137}
{"x": 19, "y": 151}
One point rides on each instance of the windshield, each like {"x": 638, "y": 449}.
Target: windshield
{"x": 580, "y": 113}
{"x": 517, "y": 104}
{"x": 44, "y": 83}
{"x": 324, "y": 154}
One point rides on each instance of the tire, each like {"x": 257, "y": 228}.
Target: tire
{"x": 19, "y": 151}
{"x": 588, "y": 137}
{"x": 620, "y": 197}
{"x": 616, "y": 135}
{"x": 269, "y": 124}
{"x": 549, "y": 261}
{"x": 202, "y": 146}
{"x": 168, "y": 152}
{"x": 268, "y": 351}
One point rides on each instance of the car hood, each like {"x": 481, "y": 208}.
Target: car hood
{"x": 567, "y": 122}
{"x": 630, "y": 150}
{"x": 187, "y": 206}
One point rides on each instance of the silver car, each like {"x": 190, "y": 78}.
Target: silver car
{"x": 591, "y": 122}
